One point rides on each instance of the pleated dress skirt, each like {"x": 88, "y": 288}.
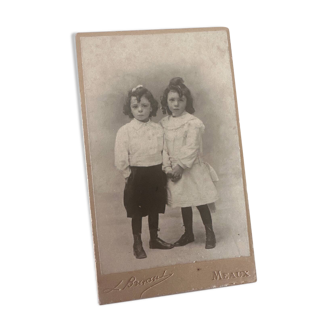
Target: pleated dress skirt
{"x": 145, "y": 191}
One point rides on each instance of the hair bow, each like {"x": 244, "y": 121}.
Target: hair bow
{"x": 138, "y": 86}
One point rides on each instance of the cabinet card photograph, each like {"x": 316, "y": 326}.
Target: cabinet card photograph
{"x": 164, "y": 160}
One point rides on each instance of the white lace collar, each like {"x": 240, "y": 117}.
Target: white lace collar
{"x": 171, "y": 122}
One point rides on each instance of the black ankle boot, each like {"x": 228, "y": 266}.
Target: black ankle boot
{"x": 157, "y": 243}
{"x": 188, "y": 236}
{"x": 210, "y": 237}
{"x": 185, "y": 239}
{"x": 138, "y": 247}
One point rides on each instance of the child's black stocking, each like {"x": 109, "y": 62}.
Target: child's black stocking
{"x": 136, "y": 225}
{"x": 205, "y": 213}
{"x": 153, "y": 222}
{"x": 207, "y": 221}
{"x": 187, "y": 216}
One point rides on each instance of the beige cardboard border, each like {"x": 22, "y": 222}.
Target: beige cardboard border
{"x": 125, "y": 286}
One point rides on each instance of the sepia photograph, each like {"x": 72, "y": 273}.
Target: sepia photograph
{"x": 164, "y": 160}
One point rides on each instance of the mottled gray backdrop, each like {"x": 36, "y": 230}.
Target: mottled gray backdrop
{"x": 112, "y": 65}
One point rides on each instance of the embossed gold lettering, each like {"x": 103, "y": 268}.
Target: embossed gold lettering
{"x": 116, "y": 287}
{"x": 130, "y": 283}
{"x": 246, "y": 274}
{"x": 218, "y": 275}
{"x": 134, "y": 282}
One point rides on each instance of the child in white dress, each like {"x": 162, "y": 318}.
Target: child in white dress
{"x": 138, "y": 156}
{"x": 190, "y": 179}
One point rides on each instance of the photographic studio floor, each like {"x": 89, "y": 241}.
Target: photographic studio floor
{"x": 115, "y": 240}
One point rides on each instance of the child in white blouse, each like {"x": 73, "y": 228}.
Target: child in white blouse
{"x": 190, "y": 179}
{"x": 138, "y": 156}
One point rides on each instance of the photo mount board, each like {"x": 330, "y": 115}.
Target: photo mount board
{"x": 94, "y": 64}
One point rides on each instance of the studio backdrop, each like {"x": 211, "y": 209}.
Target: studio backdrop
{"x": 114, "y": 64}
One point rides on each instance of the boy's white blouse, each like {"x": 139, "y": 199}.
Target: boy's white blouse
{"x": 138, "y": 144}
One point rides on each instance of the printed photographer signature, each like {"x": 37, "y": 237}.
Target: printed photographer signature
{"x": 133, "y": 282}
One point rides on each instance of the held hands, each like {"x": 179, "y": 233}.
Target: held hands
{"x": 176, "y": 173}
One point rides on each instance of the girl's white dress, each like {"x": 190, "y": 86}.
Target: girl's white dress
{"x": 183, "y": 147}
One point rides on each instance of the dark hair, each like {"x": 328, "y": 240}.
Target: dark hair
{"x": 138, "y": 93}
{"x": 176, "y": 84}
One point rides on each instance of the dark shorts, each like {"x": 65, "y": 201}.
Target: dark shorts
{"x": 145, "y": 192}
